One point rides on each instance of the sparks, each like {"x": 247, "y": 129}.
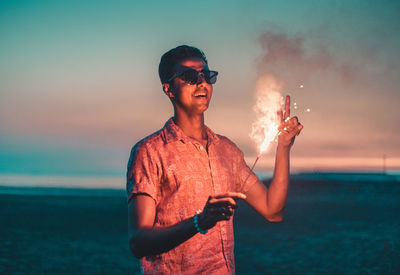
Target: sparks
{"x": 268, "y": 102}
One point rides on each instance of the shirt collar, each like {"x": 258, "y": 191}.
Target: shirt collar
{"x": 173, "y": 133}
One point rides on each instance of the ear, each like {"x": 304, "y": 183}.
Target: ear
{"x": 167, "y": 90}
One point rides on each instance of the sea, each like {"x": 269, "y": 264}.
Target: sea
{"x": 31, "y": 184}
{"x": 334, "y": 223}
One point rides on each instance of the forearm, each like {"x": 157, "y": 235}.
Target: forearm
{"x": 147, "y": 240}
{"x": 152, "y": 241}
{"x": 278, "y": 189}
{"x": 270, "y": 202}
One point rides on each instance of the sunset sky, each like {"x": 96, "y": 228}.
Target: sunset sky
{"x": 79, "y": 84}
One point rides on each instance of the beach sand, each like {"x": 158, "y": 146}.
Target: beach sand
{"x": 329, "y": 227}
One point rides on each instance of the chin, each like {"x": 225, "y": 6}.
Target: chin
{"x": 204, "y": 109}
{"x": 201, "y": 111}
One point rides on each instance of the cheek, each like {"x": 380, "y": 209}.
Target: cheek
{"x": 210, "y": 89}
{"x": 185, "y": 91}
{"x": 188, "y": 89}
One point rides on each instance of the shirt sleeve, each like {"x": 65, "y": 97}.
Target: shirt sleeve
{"x": 142, "y": 173}
{"x": 246, "y": 177}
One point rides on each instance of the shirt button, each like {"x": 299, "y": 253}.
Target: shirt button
{"x": 201, "y": 147}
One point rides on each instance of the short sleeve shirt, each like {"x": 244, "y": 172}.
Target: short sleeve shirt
{"x": 180, "y": 174}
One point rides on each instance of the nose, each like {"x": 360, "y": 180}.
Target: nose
{"x": 201, "y": 78}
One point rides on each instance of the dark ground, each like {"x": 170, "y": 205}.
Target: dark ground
{"x": 330, "y": 227}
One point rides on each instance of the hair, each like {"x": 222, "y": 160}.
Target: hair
{"x": 173, "y": 57}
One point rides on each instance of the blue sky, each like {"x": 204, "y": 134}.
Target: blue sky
{"x": 79, "y": 83}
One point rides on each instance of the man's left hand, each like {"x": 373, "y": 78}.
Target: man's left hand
{"x": 289, "y": 127}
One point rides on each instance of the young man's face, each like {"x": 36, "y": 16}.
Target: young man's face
{"x": 191, "y": 99}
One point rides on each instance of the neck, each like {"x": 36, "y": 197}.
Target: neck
{"x": 193, "y": 126}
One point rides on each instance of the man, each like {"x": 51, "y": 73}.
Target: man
{"x": 184, "y": 180}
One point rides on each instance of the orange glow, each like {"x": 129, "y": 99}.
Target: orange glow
{"x": 268, "y": 102}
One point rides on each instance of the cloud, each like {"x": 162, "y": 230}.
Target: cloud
{"x": 295, "y": 60}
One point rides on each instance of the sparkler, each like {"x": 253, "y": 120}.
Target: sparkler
{"x": 268, "y": 102}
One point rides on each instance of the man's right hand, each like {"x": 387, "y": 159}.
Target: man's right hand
{"x": 219, "y": 208}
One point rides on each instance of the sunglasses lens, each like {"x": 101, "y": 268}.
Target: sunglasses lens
{"x": 210, "y": 76}
{"x": 190, "y": 76}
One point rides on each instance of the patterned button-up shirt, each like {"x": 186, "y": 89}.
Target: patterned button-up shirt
{"x": 180, "y": 174}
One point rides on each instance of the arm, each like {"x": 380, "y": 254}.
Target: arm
{"x": 146, "y": 240}
{"x": 270, "y": 203}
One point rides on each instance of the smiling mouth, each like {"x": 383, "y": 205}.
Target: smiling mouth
{"x": 200, "y": 95}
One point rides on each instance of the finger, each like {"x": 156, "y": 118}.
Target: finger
{"x": 300, "y": 127}
{"x": 227, "y": 201}
{"x": 234, "y": 195}
{"x": 225, "y": 210}
{"x": 225, "y": 218}
{"x": 293, "y": 122}
{"x": 226, "y": 215}
{"x": 287, "y": 107}
{"x": 295, "y": 131}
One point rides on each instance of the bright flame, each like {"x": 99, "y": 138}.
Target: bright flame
{"x": 268, "y": 102}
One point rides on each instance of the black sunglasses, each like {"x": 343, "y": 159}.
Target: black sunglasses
{"x": 191, "y": 76}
